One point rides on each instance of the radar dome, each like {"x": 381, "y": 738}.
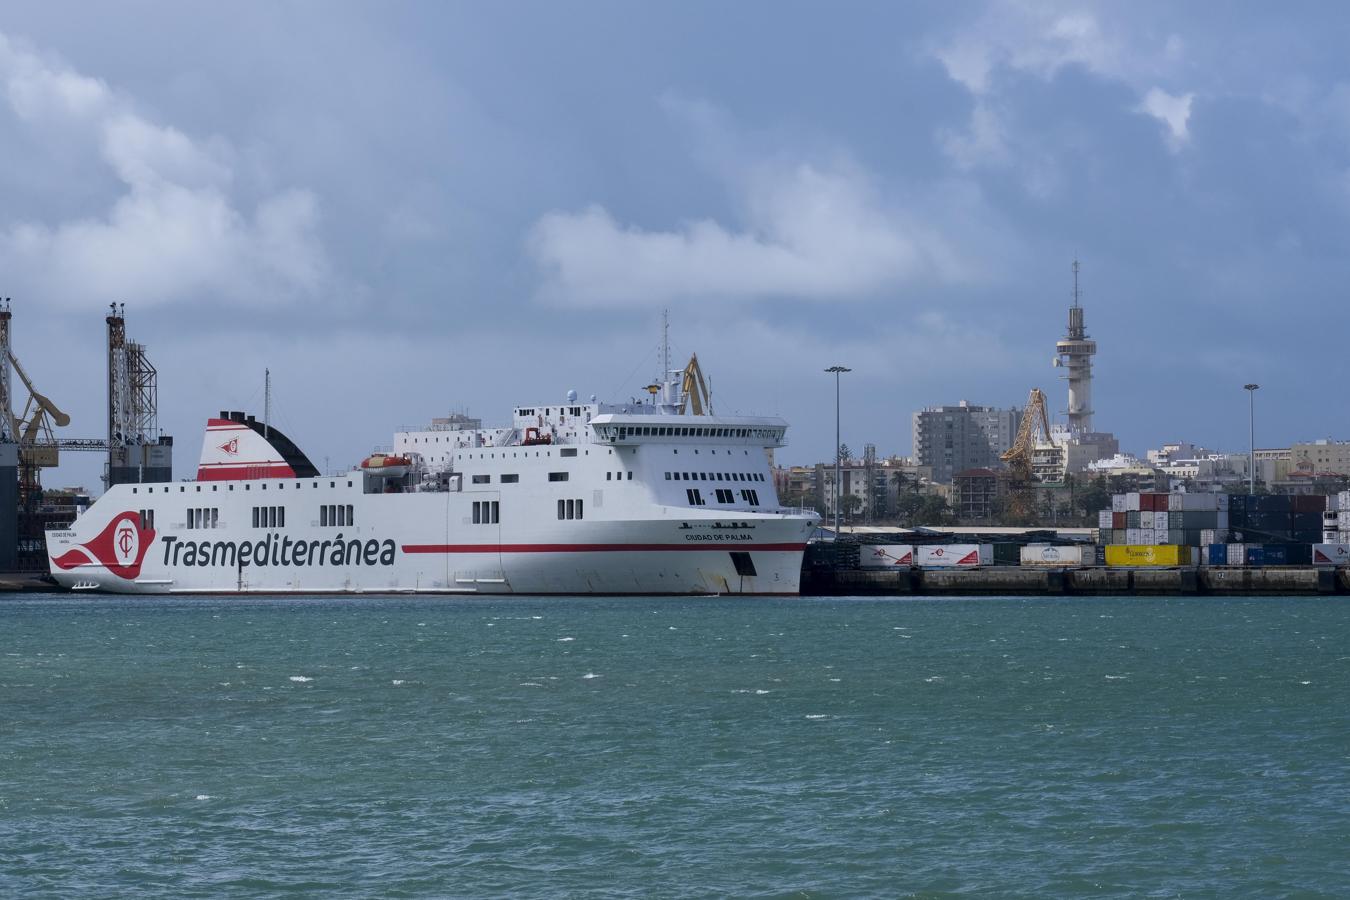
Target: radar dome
{"x": 571, "y": 396}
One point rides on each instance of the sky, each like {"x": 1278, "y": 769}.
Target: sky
{"x": 408, "y": 209}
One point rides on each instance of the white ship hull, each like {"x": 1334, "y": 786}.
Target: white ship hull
{"x": 613, "y": 514}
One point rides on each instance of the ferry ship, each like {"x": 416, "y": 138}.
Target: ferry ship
{"x": 652, "y": 496}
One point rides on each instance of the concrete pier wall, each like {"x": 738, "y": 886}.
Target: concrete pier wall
{"x": 1013, "y": 580}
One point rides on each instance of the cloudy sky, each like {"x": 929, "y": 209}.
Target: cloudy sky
{"x": 406, "y": 209}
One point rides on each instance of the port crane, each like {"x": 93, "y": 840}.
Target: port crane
{"x": 694, "y": 392}
{"x": 1035, "y": 421}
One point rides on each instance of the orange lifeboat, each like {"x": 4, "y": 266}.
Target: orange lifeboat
{"x": 387, "y": 465}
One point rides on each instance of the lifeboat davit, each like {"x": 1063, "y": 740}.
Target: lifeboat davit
{"x": 387, "y": 465}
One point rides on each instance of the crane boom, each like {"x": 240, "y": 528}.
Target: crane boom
{"x": 694, "y": 390}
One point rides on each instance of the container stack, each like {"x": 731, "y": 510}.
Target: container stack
{"x": 1154, "y": 519}
{"x": 1226, "y": 530}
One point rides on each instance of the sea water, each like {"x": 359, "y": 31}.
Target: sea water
{"x": 638, "y": 747}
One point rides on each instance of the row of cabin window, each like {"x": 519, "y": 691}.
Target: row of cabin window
{"x": 262, "y": 486}
{"x": 515, "y": 479}
{"x": 335, "y": 514}
{"x": 617, "y": 476}
{"x": 714, "y": 476}
{"x": 623, "y": 431}
{"x": 269, "y": 517}
{"x": 571, "y": 509}
{"x": 147, "y": 517}
{"x": 724, "y": 495}
{"x": 486, "y": 512}
{"x": 203, "y": 517}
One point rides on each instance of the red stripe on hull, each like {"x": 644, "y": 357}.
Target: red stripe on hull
{"x": 590, "y": 548}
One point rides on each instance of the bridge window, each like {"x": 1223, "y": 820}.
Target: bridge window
{"x": 482, "y": 479}
{"x": 557, "y": 476}
{"x": 510, "y": 479}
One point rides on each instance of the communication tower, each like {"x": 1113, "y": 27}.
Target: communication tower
{"x": 1074, "y": 352}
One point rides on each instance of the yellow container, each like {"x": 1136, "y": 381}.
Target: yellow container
{"x": 1147, "y": 555}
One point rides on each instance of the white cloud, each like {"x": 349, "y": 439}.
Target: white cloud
{"x": 175, "y": 233}
{"x": 1172, "y": 111}
{"x": 1042, "y": 39}
{"x": 810, "y": 232}
{"x": 985, "y": 141}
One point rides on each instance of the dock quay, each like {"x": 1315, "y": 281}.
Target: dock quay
{"x": 1084, "y": 581}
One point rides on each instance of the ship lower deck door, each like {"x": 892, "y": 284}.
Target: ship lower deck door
{"x": 482, "y": 568}
{"x": 745, "y": 566}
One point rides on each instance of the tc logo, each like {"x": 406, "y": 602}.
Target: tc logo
{"x": 127, "y": 543}
{"x": 231, "y": 446}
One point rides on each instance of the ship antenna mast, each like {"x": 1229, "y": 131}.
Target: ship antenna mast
{"x": 1075, "y": 283}
{"x": 267, "y": 403}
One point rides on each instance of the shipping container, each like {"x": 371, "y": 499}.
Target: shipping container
{"x": 1307, "y": 503}
{"x": 1007, "y": 554}
{"x": 875, "y": 556}
{"x": 1302, "y": 521}
{"x": 1054, "y": 555}
{"x": 1146, "y": 503}
{"x": 1104, "y": 519}
{"x": 1118, "y": 503}
{"x": 1132, "y": 519}
{"x": 1120, "y": 520}
{"x": 1331, "y": 554}
{"x": 1218, "y": 554}
{"x": 1148, "y": 555}
{"x": 1146, "y": 520}
{"x": 947, "y": 556}
{"x": 1256, "y": 555}
{"x": 1160, "y": 502}
{"x": 1132, "y": 502}
{"x": 1194, "y": 503}
{"x": 1221, "y": 502}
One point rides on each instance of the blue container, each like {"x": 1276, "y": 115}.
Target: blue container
{"x": 1218, "y": 554}
{"x": 1256, "y": 556}
{"x": 1276, "y": 554}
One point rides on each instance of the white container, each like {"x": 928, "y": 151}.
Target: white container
{"x": 1237, "y": 554}
{"x": 1131, "y": 503}
{"x": 952, "y": 556}
{"x": 1052, "y": 555}
{"x": 1160, "y": 535}
{"x": 1331, "y": 554}
{"x": 1146, "y": 520}
{"x": 1104, "y": 519}
{"x": 1135, "y": 536}
{"x": 886, "y": 556}
{"x": 1118, "y": 503}
{"x": 1331, "y": 537}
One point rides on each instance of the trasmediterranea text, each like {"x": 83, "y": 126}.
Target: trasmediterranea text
{"x": 278, "y": 550}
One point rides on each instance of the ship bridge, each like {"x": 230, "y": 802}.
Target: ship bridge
{"x": 751, "y": 431}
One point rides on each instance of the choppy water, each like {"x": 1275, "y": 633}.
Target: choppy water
{"x": 689, "y": 747}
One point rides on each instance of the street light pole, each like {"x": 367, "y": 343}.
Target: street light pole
{"x": 1251, "y": 422}
{"x": 837, "y": 370}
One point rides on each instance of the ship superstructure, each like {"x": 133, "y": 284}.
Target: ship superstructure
{"x": 643, "y": 497}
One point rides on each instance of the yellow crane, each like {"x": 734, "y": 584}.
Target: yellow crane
{"x": 33, "y": 430}
{"x": 694, "y": 390}
{"x": 1019, "y": 455}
